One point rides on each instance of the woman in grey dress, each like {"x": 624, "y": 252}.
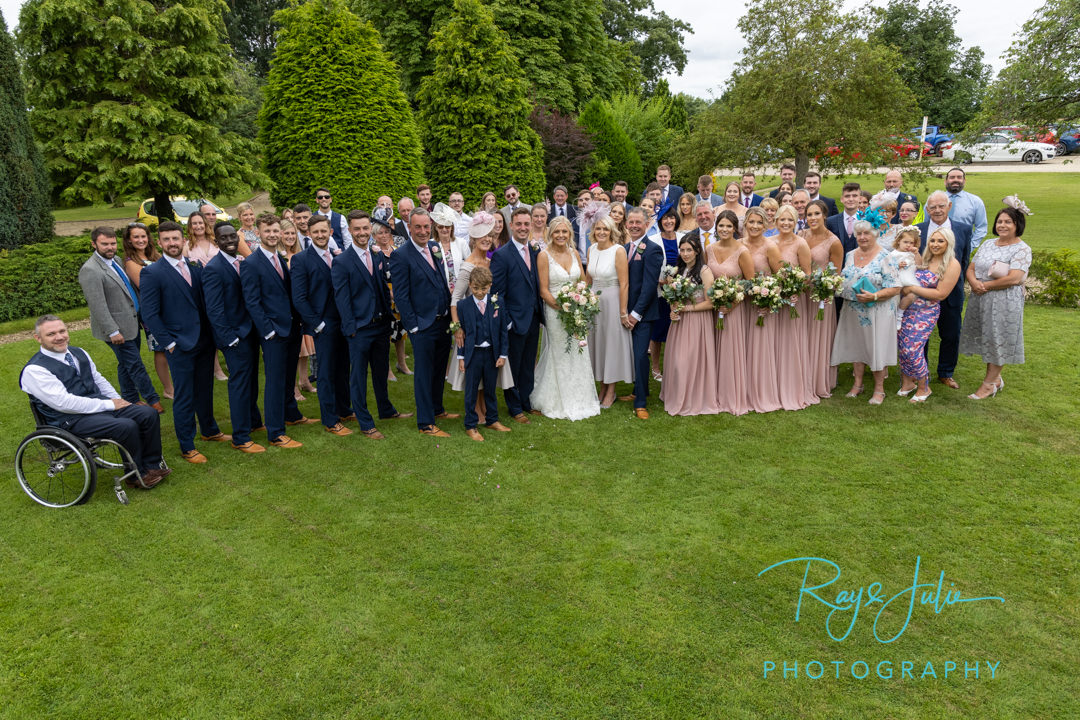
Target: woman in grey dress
{"x": 994, "y": 321}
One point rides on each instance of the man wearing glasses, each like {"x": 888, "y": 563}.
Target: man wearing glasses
{"x": 339, "y": 229}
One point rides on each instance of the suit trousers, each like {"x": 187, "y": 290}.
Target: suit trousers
{"x": 370, "y": 347}
{"x": 522, "y": 357}
{"x": 431, "y": 350}
{"x": 243, "y": 362}
{"x": 136, "y": 427}
{"x": 193, "y": 383}
{"x": 280, "y": 356}
{"x": 639, "y": 337}
{"x": 948, "y": 327}
{"x": 483, "y": 368}
{"x": 133, "y": 379}
{"x": 332, "y": 376}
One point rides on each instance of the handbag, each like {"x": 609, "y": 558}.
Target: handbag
{"x": 863, "y": 284}
{"x": 998, "y": 269}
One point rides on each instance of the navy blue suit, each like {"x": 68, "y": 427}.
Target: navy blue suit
{"x": 952, "y": 307}
{"x": 268, "y": 301}
{"x": 838, "y": 227}
{"x": 643, "y": 269}
{"x": 491, "y": 327}
{"x": 174, "y": 312}
{"x": 755, "y": 199}
{"x": 830, "y": 203}
{"x": 517, "y": 287}
{"x": 673, "y": 195}
{"x": 363, "y": 303}
{"x": 313, "y": 298}
{"x": 422, "y": 298}
{"x": 235, "y": 336}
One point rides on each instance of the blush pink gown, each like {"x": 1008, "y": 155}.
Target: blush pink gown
{"x": 762, "y": 387}
{"x": 731, "y": 387}
{"x": 792, "y": 366}
{"x": 690, "y": 372}
{"x": 821, "y": 332}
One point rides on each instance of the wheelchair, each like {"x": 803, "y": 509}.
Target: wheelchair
{"x": 59, "y": 469}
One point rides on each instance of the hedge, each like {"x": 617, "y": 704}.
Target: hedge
{"x": 1054, "y": 278}
{"x": 42, "y": 278}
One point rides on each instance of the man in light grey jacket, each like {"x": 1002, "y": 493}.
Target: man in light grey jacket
{"x": 114, "y": 316}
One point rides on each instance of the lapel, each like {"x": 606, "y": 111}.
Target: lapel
{"x": 106, "y": 267}
{"x": 178, "y": 281}
{"x": 268, "y": 267}
{"x": 434, "y": 275}
{"x": 315, "y": 259}
{"x": 521, "y": 261}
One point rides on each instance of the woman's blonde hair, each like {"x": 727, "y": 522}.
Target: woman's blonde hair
{"x": 557, "y": 222}
{"x": 788, "y": 210}
{"x": 616, "y": 235}
{"x": 927, "y": 256}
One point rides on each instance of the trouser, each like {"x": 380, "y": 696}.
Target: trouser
{"x": 136, "y": 427}
{"x": 370, "y": 346}
{"x": 243, "y": 362}
{"x": 133, "y": 379}
{"x": 193, "y": 382}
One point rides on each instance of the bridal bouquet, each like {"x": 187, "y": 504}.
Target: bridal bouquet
{"x": 724, "y": 293}
{"x": 679, "y": 290}
{"x": 792, "y": 279}
{"x": 824, "y": 284}
{"x": 764, "y": 293}
{"x": 577, "y": 308}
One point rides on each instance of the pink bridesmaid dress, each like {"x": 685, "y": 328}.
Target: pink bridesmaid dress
{"x": 731, "y": 387}
{"x": 821, "y": 332}
{"x": 792, "y": 366}
{"x": 690, "y": 372}
{"x": 762, "y": 387}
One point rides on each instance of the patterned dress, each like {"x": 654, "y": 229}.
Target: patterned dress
{"x": 994, "y": 321}
{"x": 919, "y": 319}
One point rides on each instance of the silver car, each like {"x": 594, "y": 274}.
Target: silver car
{"x": 997, "y": 147}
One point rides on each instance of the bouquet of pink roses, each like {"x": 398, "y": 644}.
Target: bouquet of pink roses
{"x": 763, "y": 292}
{"x": 824, "y": 284}
{"x": 724, "y": 293}
{"x": 577, "y": 306}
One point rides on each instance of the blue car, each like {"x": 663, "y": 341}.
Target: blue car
{"x": 1068, "y": 140}
{"x": 935, "y": 135}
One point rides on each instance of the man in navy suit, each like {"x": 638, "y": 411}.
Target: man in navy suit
{"x": 812, "y": 185}
{"x": 422, "y": 297}
{"x": 313, "y": 298}
{"x": 234, "y": 335}
{"x": 174, "y": 313}
{"x": 747, "y": 197}
{"x": 485, "y": 351}
{"x": 618, "y": 194}
{"x": 842, "y": 224}
{"x": 669, "y": 194}
{"x": 561, "y": 208}
{"x": 265, "y": 279}
{"x": 644, "y": 260}
{"x": 363, "y": 302}
{"x": 516, "y": 285}
{"x": 938, "y": 206}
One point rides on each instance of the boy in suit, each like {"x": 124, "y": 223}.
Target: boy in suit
{"x": 484, "y": 351}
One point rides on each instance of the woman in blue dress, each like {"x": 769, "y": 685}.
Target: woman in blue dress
{"x": 669, "y": 237}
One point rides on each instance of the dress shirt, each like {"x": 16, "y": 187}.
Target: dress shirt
{"x": 968, "y": 208}
{"x": 47, "y": 388}
{"x": 176, "y": 262}
{"x": 461, "y": 224}
{"x": 343, "y": 226}
{"x": 932, "y": 227}
{"x": 477, "y": 301}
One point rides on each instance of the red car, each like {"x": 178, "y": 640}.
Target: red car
{"x": 1023, "y": 133}
{"x": 894, "y": 146}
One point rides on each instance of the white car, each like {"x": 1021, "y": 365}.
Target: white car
{"x": 997, "y": 147}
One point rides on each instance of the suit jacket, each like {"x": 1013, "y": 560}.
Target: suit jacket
{"x": 644, "y": 276}
{"x": 755, "y": 199}
{"x": 962, "y": 232}
{"x": 838, "y": 227}
{"x": 517, "y": 286}
{"x": 362, "y": 298}
{"x": 506, "y": 210}
{"x": 493, "y": 323}
{"x": 223, "y": 295}
{"x": 313, "y": 291}
{"x": 830, "y": 202}
{"x": 420, "y": 292}
{"x": 267, "y": 296}
{"x": 173, "y": 311}
{"x": 674, "y": 193}
{"x": 571, "y": 213}
{"x": 714, "y": 199}
{"x": 112, "y": 308}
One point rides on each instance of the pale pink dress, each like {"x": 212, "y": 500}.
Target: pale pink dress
{"x": 792, "y": 365}
{"x": 762, "y": 387}
{"x": 731, "y": 386}
{"x": 821, "y": 332}
{"x": 690, "y": 371}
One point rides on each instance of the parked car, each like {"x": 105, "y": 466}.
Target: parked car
{"x": 935, "y": 135}
{"x": 1020, "y": 132}
{"x": 894, "y": 146}
{"x": 998, "y": 147}
{"x": 1068, "y": 140}
{"x": 182, "y": 207}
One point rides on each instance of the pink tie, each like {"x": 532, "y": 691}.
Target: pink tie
{"x": 483, "y": 307}
{"x": 427, "y": 256}
{"x": 849, "y": 223}
{"x": 528, "y": 258}
{"x": 367, "y": 261}
{"x": 236, "y": 265}
{"x": 184, "y": 272}
{"x": 328, "y": 259}
{"x": 277, "y": 266}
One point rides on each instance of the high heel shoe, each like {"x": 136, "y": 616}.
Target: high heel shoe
{"x": 856, "y": 391}
{"x": 920, "y": 398}
{"x": 403, "y": 370}
{"x": 993, "y": 393}
{"x": 904, "y": 393}
{"x": 1001, "y": 384}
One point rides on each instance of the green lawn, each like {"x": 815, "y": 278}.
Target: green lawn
{"x": 105, "y": 211}
{"x": 606, "y": 568}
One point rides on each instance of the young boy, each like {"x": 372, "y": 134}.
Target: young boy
{"x": 483, "y": 352}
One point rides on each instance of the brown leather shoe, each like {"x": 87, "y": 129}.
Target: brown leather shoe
{"x": 338, "y": 429}
{"x": 949, "y": 382}
{"x": 534, "y": 411}
{"x": 157, "y": 406}
{"x": 627, "y": 398}
{"x": 498, "y": 426}
{"x": 261, "y": 428}
{"x": 642, "y": 413}
{"x": 302, "y": 421}
{"x": 194, "y": 456}
{"x": 149, "y": 479}
{"x": 218, "y": 437}
{"x": 474, "y": 434}
{"x": 447, "y": 416}
{"x": 434, "y": 431}
{"x": 249, "y": 447}
{"x": 373, "y": 434}
{"x": 349, "y": 418}
{"x": 522, "y": 418}
{"x": 286, "y": 442}
{"x": 399, "y": 416}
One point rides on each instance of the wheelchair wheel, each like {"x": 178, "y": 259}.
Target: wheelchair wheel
{"x": 116, "y": 462}
{"x": 55, "y": 468}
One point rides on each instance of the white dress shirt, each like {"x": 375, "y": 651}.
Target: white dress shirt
{"x": 47, "y": 388}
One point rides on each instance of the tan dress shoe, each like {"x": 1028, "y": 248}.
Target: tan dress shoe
{"x": 474, "y": 434}
{"x": 642, "y": 413}
{"x": 302, "y": 421}
{"x": 447, "y": 416}
{"x": 219, "y": 437}
{"x": 373, "y": 434}
{"x": 399, "y": 416}
{"x": 522, "y": 418}
{"x": 338, "y": 429}
{"x": 284, "y": 441}
{"x": 498, "y": 426}
{"x": 194, "y": 456}
{"x": 250, "y": 446}
{"x": 434, "y": 431}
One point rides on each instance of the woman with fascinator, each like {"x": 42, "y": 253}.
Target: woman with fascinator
{"x": 994, "y": 321}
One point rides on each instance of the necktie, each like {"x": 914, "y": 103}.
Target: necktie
{"x": 277, "y": 266}
{"x": 665, "y": 193}
{"x": 633, "y": 250}
{"x": 706, "y": 243}
{"x": 307, "y": 242}
{"x": 236, "y": 265}
{"x": 849, "y": 222}
{"x": 427, "y": 256}
{"x": 184, "y": 273}
{"x": 528, "y": 257}
{"x": 70, "y": 360}
{"x": 483, "y": 306}
{"x": 367, "y": 261}
{"x": 127, "y": 284}
{"x": 327, "y": 258}
{"x": 746, "y": 202}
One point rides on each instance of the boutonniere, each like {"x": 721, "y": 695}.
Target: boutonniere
{"x": 641, "y": 247}
{"x": 533, "y": 245}
{"x": 437, "y": 251}
{"x": 193, "y": 264}
{"x": 495, "y": 303}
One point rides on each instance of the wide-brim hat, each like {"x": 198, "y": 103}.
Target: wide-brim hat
{"x": 442, "y": 215}
{"x": 482, "y": 224}
{"x": 380, "y": 221}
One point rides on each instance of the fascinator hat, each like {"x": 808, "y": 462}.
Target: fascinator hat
{"x": 442, "y": 215}
{"x": 592, "y": 212}
{"x": 1017, "y": 204}
{"x": 875, "y": 217}
{"x": 482, "y": 224}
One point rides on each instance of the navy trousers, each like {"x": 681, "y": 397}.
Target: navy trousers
{"x": 639, "y": 336}
{"x": 136, "y": 427}
{"x": 280, "y": 356}
{"x": 332, "y": 376}
{"x": 370, "y": 347}
{"x": 431, "y": 350}
{"x": 193, "y": 383}
{"x": 522, "y": 358}
{"x": 131, "y": 373}
{"x": 483, "y": 368}
{"x": 243, "y": 362}
{"x": 948, "y": 327}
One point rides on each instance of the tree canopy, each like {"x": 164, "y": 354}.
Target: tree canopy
{"x": 653, "y": 39}
{"x": 615, "y": 158}
{"x": 252, "y": 30}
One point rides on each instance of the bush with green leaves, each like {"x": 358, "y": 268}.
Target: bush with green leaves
{"x": 616, "y": 156}
{"x": 1054, "y": 278}
{"x": 334, "y": 113}
{"x": 42, "y": 278}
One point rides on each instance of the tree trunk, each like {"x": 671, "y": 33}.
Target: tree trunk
{"x": 162, "y": 205}
{"x": 802, "y": 166}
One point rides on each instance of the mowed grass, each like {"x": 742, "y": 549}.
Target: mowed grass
{"x": 105, "y": 211}
{"x": 604, "y": 568}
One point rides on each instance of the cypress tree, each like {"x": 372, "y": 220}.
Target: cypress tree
{"x": 474, "y": 112}
{"x": 25, "y": 209}
{"x": 615, "y": 152}
{"x": 334, "y": 112}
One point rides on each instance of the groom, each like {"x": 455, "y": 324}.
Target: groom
{"x": 644, "y": 260}
{"x": 515, "y": 280}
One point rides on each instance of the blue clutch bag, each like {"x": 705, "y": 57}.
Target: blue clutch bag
{"x": 864, "y": 285}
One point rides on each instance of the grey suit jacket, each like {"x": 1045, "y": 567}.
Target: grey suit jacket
{"x": 111, "y": 307}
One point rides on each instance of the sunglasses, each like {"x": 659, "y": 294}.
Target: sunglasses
{"x": 322, "y": 197}
{"x": 136, "y": 225}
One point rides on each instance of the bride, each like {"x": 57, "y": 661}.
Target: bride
{"x": 564, "y": 380}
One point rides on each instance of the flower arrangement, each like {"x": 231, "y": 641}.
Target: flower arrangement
{"x": 724, "y": 293}
{"x": 678, "y": 290}
{"x": 792, "y": 279}
{"x": 824, "y": 284}
{"x": 577, "y": 306}
{"x": 764, "y": 293}
{"x": 454, "y": 327}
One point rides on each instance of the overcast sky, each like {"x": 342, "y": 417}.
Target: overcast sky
{"x": 712, "y": 49}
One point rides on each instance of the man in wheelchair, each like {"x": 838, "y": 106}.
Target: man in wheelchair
{"x": 68, "y": 392}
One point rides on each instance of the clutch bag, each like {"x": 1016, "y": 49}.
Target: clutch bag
{"x": 998, "y": 269}
{"x": 863, "y": 284}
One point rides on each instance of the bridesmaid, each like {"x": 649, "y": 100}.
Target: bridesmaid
{"x": 690, "y": 368}
{"x": 762, "y": 388}
{"x": 687, "y": 221}
{"x": 609, "y": 342}
{"x": 729, "y": 258}
{"x": 792, "y": 355}
{"x": 825, "y": 248}
{"x": 669, "y": 237}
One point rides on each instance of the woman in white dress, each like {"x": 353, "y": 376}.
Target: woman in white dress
{"x": 610, "y": 346}
{"x": 564, "y": 386}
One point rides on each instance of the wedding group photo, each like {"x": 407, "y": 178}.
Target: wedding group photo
{"x": 470, "y": 360}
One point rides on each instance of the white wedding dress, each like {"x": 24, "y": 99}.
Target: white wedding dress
{"x": 564, "y": 387}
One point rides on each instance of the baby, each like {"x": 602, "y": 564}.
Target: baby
{"x": 905, "y": 259}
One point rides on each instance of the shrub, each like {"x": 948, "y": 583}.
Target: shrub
{"x": 41, "y": 278}
{"x": 1054, "y": 278}
{"x": 616, "y": 157}
{"x": 567, "y": 148}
